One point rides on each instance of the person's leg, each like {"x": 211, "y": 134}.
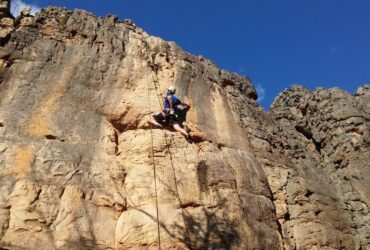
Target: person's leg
{"x": 181, "y": 130}
{"x": 155, "y": 123}
{"x": 154, "y": 119}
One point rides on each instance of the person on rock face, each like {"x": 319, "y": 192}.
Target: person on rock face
{"x": 168, "y": 115}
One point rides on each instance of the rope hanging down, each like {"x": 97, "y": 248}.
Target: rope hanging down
{"x": 155, "y": 86}
{"x": 167, "y": 142}
{"x": 154, "y": 167}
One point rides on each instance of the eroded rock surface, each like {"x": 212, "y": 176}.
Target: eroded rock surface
{"x": 4, "y": 8}
{"x": 81, "y": 169}
{"x": 334, "y": 195}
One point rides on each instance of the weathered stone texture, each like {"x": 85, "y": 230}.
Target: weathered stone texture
{"x": 76, "y": 158}
{"x": 6, "y": 23}
{"x": 335, "y": 191}
{"x": 4, "y": 8}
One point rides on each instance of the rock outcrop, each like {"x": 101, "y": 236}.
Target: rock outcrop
{"x": 331, "y": 202}
{"x": 4, "y": 8}
{"x": 6, "y": 20}
{"x": 80, "y": 168}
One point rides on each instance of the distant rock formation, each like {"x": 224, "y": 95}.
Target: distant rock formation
{"x": 4, "y": 8}
{"x": 327, "y": 192}
{"x": 78, "y": 169}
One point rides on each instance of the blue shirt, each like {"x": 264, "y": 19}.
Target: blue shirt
{"x": 175, "y": 101}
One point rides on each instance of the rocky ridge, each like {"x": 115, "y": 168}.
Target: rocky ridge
{"x": 76, "y": 153}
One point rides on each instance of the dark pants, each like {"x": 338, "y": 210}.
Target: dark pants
{"x": 166, "y": 120}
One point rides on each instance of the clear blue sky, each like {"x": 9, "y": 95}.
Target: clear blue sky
{"x": 315, "y": 43}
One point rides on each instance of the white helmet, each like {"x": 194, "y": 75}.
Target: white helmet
{"x": 172, "y": 89}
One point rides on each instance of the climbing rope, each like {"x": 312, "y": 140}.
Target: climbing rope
{"x": 152, "y": 152}
{"x": 167, "y": 142}
{"x": 154, "y": 168}
{"x": 156, "y": 88}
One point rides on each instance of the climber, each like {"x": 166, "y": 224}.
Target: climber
{"x": 169, "y": 114}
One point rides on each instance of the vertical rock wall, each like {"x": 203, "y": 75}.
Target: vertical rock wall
{"x": 314, "y": 149}
{"x": 335, "y": 189}
{"x": 76, "y": 156}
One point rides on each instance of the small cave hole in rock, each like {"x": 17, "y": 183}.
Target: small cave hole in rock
{"x": 317, "y": 146}
{"x": 53, "y": 137}
{"x": 304, "y": 110}
{"x": 9, "y": 61}
{"x": 119, "y": 126}
{"x": 304, "y": 131}
{"x": 50, "y": 137}
{"x": 286, "y": 216}
{"x": 308, "y": 193}
{"x": 338, "y": 163}
{"x": 308, "y": 134}
{"x": 73, "y": 33}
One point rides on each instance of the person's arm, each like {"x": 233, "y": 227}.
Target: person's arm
{"x": 164, "y": 94}
{"x": 171, "y": 104}
{"x": 186, "y": 104}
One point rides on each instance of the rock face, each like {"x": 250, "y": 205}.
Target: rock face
{"x": 4, "y": 8}
{"x": 80, "y": 168}
{"x": 6, "y": 21}
{"x": 328, "y": 191}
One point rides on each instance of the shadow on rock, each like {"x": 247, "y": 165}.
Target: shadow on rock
{"x": 211, "y": 232}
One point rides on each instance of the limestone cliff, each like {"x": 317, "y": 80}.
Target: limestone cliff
{"x": 80, "y": 168}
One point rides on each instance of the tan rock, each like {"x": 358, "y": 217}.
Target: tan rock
{"x": 26, "y": 11}
{"x": 7, "y": 26}
{"x": 4, "y": 8}
{"x": 80, "y": 168}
